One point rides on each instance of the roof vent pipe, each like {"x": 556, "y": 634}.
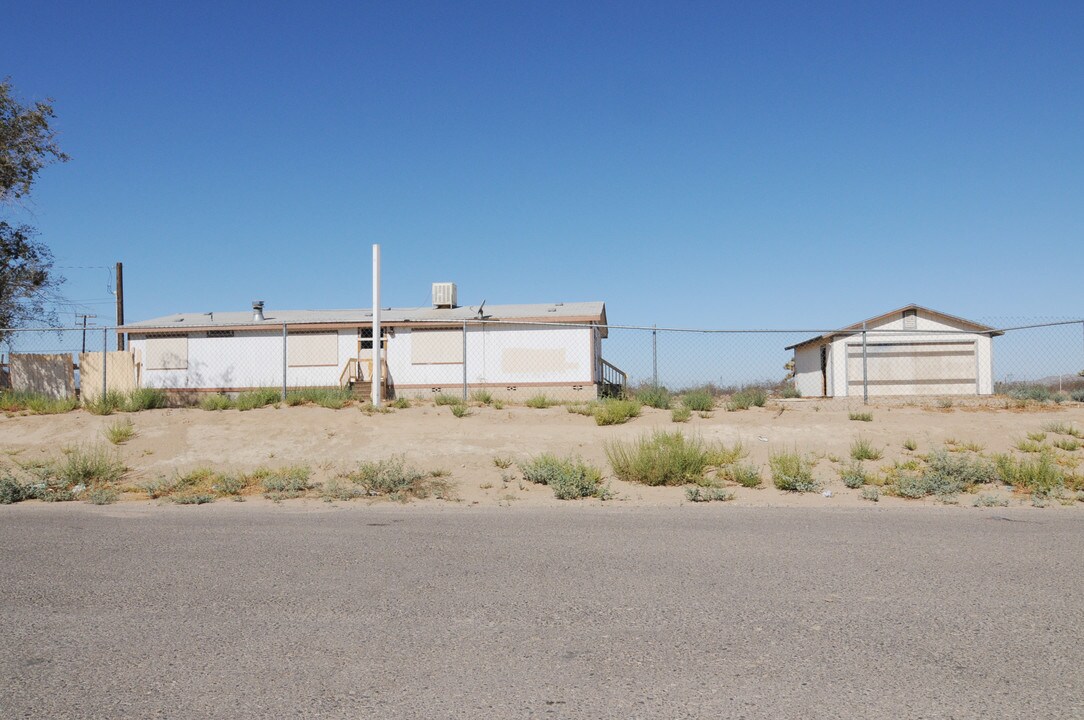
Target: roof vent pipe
{"x": 257, "y": 310}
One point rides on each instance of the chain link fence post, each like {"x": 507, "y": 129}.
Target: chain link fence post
{"x": 464, "y": 361}
{"x": 105, "y": 354}
{"x": 284, "y": 361}
{"x": 655, "y": 356}
{"x": 865, "y": 369}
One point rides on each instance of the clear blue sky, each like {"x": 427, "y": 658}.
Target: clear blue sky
{"x": 695, "y": 164}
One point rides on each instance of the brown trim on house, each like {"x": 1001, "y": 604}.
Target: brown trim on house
{"x": 402, "y": 386}
{"x": 916, "y": 381}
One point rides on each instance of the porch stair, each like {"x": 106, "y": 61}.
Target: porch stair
{"x": 358, "y": 378}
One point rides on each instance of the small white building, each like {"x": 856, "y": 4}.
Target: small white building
{"x": 512, "y": 351}
{"x": 909, "y": 351}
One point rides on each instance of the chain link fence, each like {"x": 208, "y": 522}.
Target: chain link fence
{"x": 521, "y": 360}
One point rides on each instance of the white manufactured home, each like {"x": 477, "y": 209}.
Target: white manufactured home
{"x": 509, "y": 350}
{"x": 909, "y": 351}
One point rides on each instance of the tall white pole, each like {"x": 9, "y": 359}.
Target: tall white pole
{"x": 376, "y": 327}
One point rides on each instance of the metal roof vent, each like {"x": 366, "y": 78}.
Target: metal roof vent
{"x": 444, "y": 295}
{"x": 257, "y": 311}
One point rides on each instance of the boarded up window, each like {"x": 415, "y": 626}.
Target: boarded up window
{"x": 305, "y": 349}
{"x": 167, "y": 352}
{"x": 436, "y": 347}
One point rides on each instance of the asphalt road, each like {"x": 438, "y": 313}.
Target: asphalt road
{"x": 246, "y": 611}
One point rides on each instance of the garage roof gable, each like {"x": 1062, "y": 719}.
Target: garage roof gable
{"x": 960, "y": 322}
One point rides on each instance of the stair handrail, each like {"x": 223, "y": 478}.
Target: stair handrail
{"x": 346, "y": 377}
{"x": 613, "y": 375}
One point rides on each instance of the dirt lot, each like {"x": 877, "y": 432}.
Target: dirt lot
{"x": 332, "y": 441}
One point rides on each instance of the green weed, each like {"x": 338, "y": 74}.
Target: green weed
{"x": 120, "y": 432}
{"x": 145, "y": 399}
{"x": 660, "y": 458}
{"x": 216, "y": 401}
{"x": 991, "y": 501}
{"x": 698, "y": 401}
{"x": 747, "y": 398}
{"x": 861, "y": 416}
{"x": 397, "y": 480}
{"x": 287, "y": 482}
{"x": 105, "y": 403}
{"x": 540, "y": 402}
{"x": 744, "y": 475}
{"x": 681, "y": 414}
{"x": 258, "y": 398}
{"x": 192, "y": 498}
{"x": 21, "y": 401}
{"x": 862, "y": 449}
{"x": 792, "y": 472}
{"x": 102, "y": 496}
{"x": 1036, "y": 393}
{"x": 11, "y": 490}
{"x": 614, "y": 411}
{"x": 89, "y": 465}
{"x": 1059, "y": 428}
{"x": 1040, "y": 474}
{"x": 483, "y": 397}
{"x": 333, "y": 398}
{"x": 722, "y": 454}
{"x": 853, "y": 475}
{"x": 656, "y": 397}
{"x": 1029, "y": 446}
{"x": 695, "y": 493}
{"x": 570, "y": 478}
{"x": 339, "y": 489}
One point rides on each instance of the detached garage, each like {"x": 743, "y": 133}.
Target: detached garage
{"x": 910, "y": 351}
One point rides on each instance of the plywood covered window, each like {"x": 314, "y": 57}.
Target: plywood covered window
{"x": 308, "y": 349}
{"x": 436, "y": 347}
{"x": 167, "y": 352}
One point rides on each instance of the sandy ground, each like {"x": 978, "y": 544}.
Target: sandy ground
{"x": 332, "y": 441}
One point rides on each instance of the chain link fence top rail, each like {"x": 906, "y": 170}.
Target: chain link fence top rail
{"x": 530, "y": 357}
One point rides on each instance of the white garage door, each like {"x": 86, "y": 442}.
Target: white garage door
{"x": 914, "y": 368}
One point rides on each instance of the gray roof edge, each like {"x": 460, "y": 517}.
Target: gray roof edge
{"x": 544, "y": 312}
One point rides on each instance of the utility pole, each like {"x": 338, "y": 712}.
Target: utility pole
{"x": 85, "y": 329}
{"x": 120, "y": 305}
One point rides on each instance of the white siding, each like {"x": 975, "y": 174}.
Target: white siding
{"x": 248, "y": 359}
{"x": 508, "y": 354}
{"x": 916, "y": 375}
{"x": 807, "y": 371}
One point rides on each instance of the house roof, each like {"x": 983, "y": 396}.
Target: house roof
{"x": 580, "y": 312}
{"x": 857, "y": 327}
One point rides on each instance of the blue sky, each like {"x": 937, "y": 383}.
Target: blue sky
{"x": 694, "y": 164}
